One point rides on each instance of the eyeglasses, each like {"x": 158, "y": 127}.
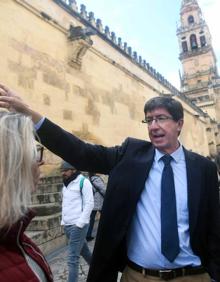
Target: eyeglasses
{"x": 40, "y": 152}
{"x": 158, "y": 119}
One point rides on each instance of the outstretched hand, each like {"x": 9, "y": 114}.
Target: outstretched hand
{"x": 11, "y": 101}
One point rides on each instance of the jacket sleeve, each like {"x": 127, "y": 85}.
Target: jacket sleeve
{"x": 214, "y": 225}
{"x": 82, "y": 155}
{"x": 88, "y": 204}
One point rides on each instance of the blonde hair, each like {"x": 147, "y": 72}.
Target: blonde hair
{"x": 17, "y": 154}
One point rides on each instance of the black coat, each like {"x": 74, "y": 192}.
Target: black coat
{"x": 128, "y": 166}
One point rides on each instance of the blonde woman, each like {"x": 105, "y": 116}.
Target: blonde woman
{"x": 20, "y": 259}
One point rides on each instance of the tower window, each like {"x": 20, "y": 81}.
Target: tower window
{"x": 190, "y": 19}
{"x": 202, "y": 40}
{"x": 193, "y": 41}
{"x": 184, "y": 46}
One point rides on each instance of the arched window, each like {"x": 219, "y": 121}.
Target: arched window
{"x": 190, "y": 19}
{"x": 202, "y": 40}
{"x": 184, "y": 47}
{"x": 193, "y": 41}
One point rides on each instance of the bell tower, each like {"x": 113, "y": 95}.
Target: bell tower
{"x": 199, "y": 79}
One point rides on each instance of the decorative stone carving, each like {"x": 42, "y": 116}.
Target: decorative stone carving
{"x": 99, "y": 25}
{"x": 140, "y": 61}
{"x": 73, "y": 5}
{"x": 135, "y": 56}
{"x": 130, "y": 51}
{"x": 92, "y": 19}
{"x": 107, "y": 32}
{"x": 83, "y": 11}
{"x": 119, "y": 42}
{"x": 79, "y": 43}
{"x": 113, "y": 37}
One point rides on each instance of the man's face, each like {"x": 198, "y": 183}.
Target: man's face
{"x": 164, "y": 133}
{"x": 67, "y": 173}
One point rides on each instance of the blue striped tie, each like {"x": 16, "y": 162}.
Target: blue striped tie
{"x": 169, "y": 231}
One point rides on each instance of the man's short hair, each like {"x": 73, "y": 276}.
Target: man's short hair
{"x": 174, "y": 108}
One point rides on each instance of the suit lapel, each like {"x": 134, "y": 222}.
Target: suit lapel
{"x": 140, "y": 170}
{"x": 194, "y": 188}
{"x": 141, "y": 167}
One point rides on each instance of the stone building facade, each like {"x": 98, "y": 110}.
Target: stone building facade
{"x": 82, "y": 76}
{"x": 200, "y": 80}
{"x": 85, "y": 78}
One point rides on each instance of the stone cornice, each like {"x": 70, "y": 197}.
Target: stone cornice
{"x": 110, "y": 37}
{"x": 197, "y": 52}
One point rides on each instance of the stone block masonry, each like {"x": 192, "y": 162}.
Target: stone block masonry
{"x": 45, "y": 228}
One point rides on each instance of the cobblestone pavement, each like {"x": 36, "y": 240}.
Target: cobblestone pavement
{"x": 58, "y": 264}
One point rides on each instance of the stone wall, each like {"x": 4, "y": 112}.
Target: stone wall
{"x": 99, "y": 94}
{"x": 93, "y": 86}
{"x": 45, "y": 228}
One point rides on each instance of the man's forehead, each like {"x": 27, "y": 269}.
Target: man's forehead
{"x": 157, "y": 111}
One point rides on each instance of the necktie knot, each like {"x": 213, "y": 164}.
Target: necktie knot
{"x": 166, "y": 159}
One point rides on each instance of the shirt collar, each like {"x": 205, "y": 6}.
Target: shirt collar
{"x": 176, "y": 155}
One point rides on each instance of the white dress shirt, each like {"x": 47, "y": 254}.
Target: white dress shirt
{"x": 144, "y": 239}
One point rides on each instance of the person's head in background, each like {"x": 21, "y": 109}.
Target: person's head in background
{"x": 67, "y": 170}
{"x": 19, "y": 166}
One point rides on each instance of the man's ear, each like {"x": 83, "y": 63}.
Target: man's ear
{"x": 180, "y": 124}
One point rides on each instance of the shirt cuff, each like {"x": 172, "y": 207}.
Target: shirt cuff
{"x": 39, "y": 123}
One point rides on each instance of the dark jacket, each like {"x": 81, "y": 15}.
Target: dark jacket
{"x": 128, "y": 167}
{"x": 13, "y": 265}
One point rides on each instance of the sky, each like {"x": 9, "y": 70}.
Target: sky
{"x": 149, "y": 27}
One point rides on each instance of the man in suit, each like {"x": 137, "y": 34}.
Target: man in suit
{"x": 145, "y": 235}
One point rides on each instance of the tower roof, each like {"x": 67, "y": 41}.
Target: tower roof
{"x": 188, "y": 3}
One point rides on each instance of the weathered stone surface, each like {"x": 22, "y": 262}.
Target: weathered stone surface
{"x": 54, "y": 244}
{"x": 58, "y": 264}
{"x": 108, "y": 92}
{"x": 45, "y": 228}
{"x": 45, "y": 222}
{"x": 47, "y": 188}
{"x": 43, "y": 236}
{"x": 54, "y": 197}
{"x": 47, "y": 209}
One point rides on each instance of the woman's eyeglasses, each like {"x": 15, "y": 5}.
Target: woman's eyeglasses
{"x": 40, "y": 153}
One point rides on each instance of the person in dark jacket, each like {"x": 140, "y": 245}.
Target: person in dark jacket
{"x": 160, "y": 217}
{"x": 20, "y": 259}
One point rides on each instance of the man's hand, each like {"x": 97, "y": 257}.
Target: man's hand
{"x": 11, "y": 101}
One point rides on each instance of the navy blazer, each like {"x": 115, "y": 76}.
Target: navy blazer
{"x": 128, "y": 166}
